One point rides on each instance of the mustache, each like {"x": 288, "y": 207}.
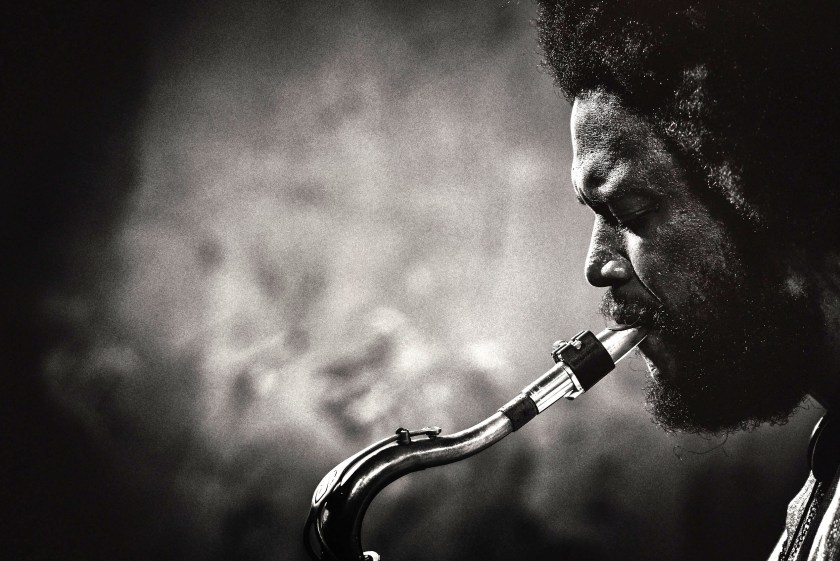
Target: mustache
{"x": 631, "y": 310}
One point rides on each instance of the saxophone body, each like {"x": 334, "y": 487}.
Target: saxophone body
{"x": 333, "y": 528}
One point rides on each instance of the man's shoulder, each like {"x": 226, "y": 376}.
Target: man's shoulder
{"x": 812, "y": 527}
{"x": 827, "y": 539}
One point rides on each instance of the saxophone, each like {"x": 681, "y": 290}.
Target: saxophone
{"x": 334, "y": 525}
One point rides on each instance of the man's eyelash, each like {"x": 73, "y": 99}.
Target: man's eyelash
{"x": 629, "y": 217}
{"x": 628, "y": 220}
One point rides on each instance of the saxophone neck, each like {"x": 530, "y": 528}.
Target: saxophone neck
{"x": 344, "y": 494}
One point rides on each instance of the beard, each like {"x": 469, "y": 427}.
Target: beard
{"x": 739, "y": 356}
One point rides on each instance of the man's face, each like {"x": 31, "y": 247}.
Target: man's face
{"x": 729, "y": 328}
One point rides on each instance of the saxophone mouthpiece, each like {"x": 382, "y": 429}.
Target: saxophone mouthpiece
{"x": 619, "y": 340}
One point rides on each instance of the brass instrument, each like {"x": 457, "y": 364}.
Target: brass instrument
{"x": 342, "y": 497}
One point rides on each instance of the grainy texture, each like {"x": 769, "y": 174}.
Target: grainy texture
{"x": 260, "y": 236}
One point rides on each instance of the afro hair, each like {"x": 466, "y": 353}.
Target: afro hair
{"x": 746, "y": 93}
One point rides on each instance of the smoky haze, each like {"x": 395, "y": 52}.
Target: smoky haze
{"x": 349, "y": 217}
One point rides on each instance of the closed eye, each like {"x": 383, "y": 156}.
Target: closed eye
{"x": 625, "y": 211}
{"x": 631, "y": 217}
{"x": 632, "y": 214}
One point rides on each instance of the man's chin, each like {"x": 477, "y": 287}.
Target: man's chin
{"x": 684, "y": 396}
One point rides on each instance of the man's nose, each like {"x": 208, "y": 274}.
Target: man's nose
{"x": 606, "y": 264}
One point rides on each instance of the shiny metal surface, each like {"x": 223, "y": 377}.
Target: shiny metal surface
{"x": 557, "y": 383}
{"x": 620, "y": 341}
{"x": 333, "y": 528}
{"x": 336, "y": 517}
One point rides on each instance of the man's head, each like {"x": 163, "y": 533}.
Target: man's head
{"x": 730, "y": 326}
{"x": 730, "y": 87}
{"x": 701, "y": 223}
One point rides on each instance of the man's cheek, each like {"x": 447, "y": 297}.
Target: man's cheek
{"x": 662, "y": 273}
{"x": 647, "y": 262}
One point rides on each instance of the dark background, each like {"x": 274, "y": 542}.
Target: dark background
{"x": 244, "y": 240}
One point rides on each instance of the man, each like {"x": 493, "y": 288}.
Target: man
{"x": 704, "y": 142}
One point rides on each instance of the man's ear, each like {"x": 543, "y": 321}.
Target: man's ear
{"x": 795, "y": 282}
{"x": 815, "y": 276}
{"x": 808, "y": 273}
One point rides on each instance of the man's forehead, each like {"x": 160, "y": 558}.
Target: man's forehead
{"x": 617, "y": 152}
{"x": 603, "y": 143}
{"x": 601, "y": 123}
